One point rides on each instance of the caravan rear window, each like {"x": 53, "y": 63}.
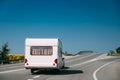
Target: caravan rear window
{"x": 41, "y": 50}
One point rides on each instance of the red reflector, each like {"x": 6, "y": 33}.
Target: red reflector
{"x": 27, "y": 64}
{"x": 25, "y": 60}
{"x": 53, "y": 64}
{"x": 55, "y": 61}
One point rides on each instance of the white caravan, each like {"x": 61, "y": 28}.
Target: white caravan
{"x": 43, "y": 54}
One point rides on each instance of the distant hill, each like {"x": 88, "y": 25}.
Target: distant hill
{"x": 82, "y": 52}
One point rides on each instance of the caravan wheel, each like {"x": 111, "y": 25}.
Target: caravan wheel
{"x": 32, "y": 71}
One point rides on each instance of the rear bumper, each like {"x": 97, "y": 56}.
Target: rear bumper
{"x": 39, "y": 67}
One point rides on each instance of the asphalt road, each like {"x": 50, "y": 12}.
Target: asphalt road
{"x": 82, "y": 67}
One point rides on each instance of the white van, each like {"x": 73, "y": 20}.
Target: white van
{"x": 43, "y": 54}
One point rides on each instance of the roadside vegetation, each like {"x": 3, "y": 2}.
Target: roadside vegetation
{"x": 7, "y": 58}
{"x": 15, "y": 58}
{"x": 114, "y": 53}
{"x": 67, "y": 54}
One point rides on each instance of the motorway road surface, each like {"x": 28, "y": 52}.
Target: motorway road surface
{"x": 83, "y": 67}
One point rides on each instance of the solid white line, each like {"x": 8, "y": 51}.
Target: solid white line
{"x": 95, "y": 72}
{"x": 11, "y": 71}
{"x": 84, "y": 62}
{"x": 79, "y": 58}
{"x": 12, "y": 67}
{"x": 95, "y": 59}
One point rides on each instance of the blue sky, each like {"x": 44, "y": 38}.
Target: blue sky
{"x": 80, "y": 24}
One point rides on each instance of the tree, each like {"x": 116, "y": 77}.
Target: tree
{"x": 0, "y": 55}
{"x": 4, "y": 52}
{"x": 111, "y": 52}
{"x": 118, "y": 50}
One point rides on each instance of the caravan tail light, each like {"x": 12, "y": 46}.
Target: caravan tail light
{"x": 56, "y": 61}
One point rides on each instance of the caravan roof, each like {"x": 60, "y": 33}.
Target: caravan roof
{"x": 42, "y": 41}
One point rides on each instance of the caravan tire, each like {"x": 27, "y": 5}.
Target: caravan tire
{"x": 56, "y": 70}
{"x": 32, "y": 71}
{"x": 63, "y": 66}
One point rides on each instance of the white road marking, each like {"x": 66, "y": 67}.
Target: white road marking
{"x": 95, "y": 72}
{"x": 80, "y": 58}
{"x": 11, "y": 71}
{"x": 95, "y": 59}
{"x": 84, "y": 62}
{"x": 36, "y": 76}
{"x": 12, "y": 67}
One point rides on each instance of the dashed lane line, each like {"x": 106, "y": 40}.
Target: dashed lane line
{"x": 30, "y": 79}
{"x": 36, "y": 76}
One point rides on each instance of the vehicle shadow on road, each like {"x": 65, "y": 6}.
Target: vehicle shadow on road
{"x": 65, "y": 71}
{"x": 69, "y": 72}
